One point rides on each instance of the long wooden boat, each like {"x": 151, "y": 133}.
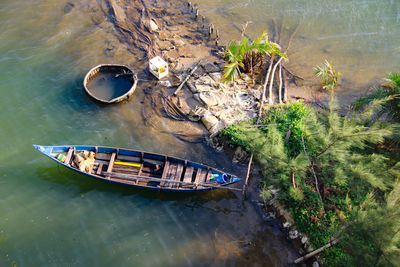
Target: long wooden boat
{"x": 140, "y": 169}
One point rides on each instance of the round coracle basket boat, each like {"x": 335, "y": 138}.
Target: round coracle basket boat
{"x": 110, "y": 83}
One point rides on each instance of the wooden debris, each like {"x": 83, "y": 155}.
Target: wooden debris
{"x": 315, "y": 252}
{"x": 187, "y": 78}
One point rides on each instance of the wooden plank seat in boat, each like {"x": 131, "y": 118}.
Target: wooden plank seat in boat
{"x": 171, "y": 173}
{"x": 187, "y": 177}
{"x": 209, "y": 176}
{"x": 178, "y": 175}
{"x": 111, "y": 163}
{"x": 201, "y": 175}
{"x": 99, "y": 169}
{"x": 165, "y": 172}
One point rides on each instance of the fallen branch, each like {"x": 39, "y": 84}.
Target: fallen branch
{"x": 315, "y": 252}
{"x": 187, "y": 78}
{"x": 244, "y": 27}
{"x": 291, "y": 73}
{"x": 291, "y": 37}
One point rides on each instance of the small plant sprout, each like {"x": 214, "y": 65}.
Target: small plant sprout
{"x": 328, "y": 75}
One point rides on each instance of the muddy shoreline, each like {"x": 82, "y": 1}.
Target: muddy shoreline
{"x": 183, "y": 37}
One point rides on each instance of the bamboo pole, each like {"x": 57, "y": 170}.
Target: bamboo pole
{"x": 284, "y": 87}
{"x": 280, "y": 84}
{"x": 258, "y": 119}
{"x": 272, "y": 79}
{"x": 187, "y": 78}
{"x": 248, "y": 174}
{"x": 265, "y": 88}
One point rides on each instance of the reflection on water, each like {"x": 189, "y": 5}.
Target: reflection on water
{"x": 361, "y": 37}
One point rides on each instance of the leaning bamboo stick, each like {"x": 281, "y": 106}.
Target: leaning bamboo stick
{"x": 187, "y": 78}
{"x": 248, "y": 174}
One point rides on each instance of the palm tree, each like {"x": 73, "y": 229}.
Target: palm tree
{"x": 243, "y": 56}
{"x": 390, "y": 90}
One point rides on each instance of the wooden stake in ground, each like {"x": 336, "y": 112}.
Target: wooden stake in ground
{"x": 284, "y": 87}
{"x": 280, "y": 84}
{"x": 272, "y": 80}
{"x": 265, "y": 88}
{"x": 248, "y": 174}
{"x": 258, "y": 119}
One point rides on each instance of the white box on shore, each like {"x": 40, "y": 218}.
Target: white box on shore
{"x": 158, "y": 67}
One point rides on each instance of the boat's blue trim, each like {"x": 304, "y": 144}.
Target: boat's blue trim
{"x": 47, "y": 150}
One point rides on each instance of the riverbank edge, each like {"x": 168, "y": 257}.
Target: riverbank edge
{"x": 273, "y": 209}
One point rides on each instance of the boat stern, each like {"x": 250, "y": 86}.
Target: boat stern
{"x": 234, "y": 179}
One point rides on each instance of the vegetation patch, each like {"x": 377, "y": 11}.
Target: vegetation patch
{"x": 332, "y": 177}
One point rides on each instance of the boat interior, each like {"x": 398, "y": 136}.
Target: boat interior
{"x": 144, "y": 169}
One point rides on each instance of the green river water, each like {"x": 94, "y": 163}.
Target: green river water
{"x": 50, "y": 216}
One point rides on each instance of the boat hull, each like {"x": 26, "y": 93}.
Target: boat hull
{"x": 160, "y": 181}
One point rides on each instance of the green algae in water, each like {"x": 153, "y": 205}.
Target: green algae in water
{"x": 109, "y": 85}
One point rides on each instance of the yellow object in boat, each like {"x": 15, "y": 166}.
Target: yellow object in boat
{"x": 127, "y": 164}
